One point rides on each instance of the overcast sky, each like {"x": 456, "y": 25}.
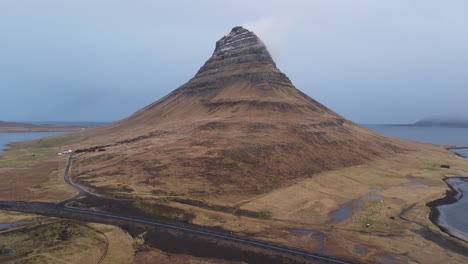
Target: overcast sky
{"x": 386, "y": 61}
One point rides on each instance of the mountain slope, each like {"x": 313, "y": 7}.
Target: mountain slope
{"x": 238, "y": 127}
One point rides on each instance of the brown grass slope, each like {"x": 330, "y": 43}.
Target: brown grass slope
{"x": 238, "y": 127}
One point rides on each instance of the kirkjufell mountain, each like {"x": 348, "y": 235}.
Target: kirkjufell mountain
{"x": 238, "y": 127}
{"x": 240, "y": 79}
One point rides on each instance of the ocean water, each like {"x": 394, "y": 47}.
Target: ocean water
{"x": 453, "y": 216}
{"x": 437, "y": 135}
{"x": 6, "y": 138}
{"x": 69, "y": 123}
{"x": 461, "y": 152}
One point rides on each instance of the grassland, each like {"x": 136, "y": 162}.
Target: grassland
{"x": 305, "y": 204}
{"x": 26, "y": 152}
{"x": 51, "y": 241}
{"x": 393, "y": 220}
{"x": 161, "y": 168}
{"x": 31, "y": 170}
{"x": 165, "y": 211}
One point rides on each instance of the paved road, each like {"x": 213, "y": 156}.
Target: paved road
{"x": 66, "y": 178}
{"x": 60, "y": 209}
{"x": 281, "y": 249}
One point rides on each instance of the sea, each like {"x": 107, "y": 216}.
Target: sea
{"x": 453, "y": 136}
{"x": 68, "y": 123}
{"x": 452, "y": 216}
{"x": 436, "y": 135}
{"x": 455, "y": 216}
{"x": 7, "y": 138}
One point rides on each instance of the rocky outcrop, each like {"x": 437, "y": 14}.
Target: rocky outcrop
{"x": 241, "y": 59}
{"x": 238, "y": 47}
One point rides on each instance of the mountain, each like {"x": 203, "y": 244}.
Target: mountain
{"x": 13, "y": 124}
{"x": 238, "y": 127}
{"x": 451, "y": 121}
{"x": 240, "y": 79}
{"x": 6, "y": 126}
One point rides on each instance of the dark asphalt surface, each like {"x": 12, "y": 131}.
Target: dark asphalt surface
{"x": 60, "y": 209}
{"x": 66, "y": 177}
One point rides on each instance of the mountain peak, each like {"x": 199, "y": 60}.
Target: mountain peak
{"x": 238, "y": 127}
{"x": 240, "y": 46}
{"x": 240, "y": 78}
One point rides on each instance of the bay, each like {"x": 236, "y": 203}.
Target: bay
{"x": 7, "y": 138}
{"x": 454, "y": 216}
{"x": 457, "y": 136}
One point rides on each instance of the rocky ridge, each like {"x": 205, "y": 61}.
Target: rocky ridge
{"x": 239, "y": 46}
{"x": 241, "y": 59}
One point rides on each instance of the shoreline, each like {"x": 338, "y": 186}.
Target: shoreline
{"x": 41, "y": 129}
{"x": 451, "y": 196}
{"x": 453, "y": 150}
{"x": 4, "y": 147}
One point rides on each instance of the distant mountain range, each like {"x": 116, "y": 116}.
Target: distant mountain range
{"x": 443, "y": 121}
{"x": 13, "y": 124}
{"x": 6, "y": 126}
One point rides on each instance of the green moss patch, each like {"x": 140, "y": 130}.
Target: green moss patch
{"x": 164, "y": 211}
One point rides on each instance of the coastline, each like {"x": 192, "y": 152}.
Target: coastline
{"x": 10, "y": 142}
{"x": 41, "y": 129}
{"x": 10, "y": 127}
{"x": 453, "y": 150}
{"x": 451, "y": 196}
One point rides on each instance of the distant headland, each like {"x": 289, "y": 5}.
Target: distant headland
{"x": 445, "y": 121}
{"x": 16, "y": 127}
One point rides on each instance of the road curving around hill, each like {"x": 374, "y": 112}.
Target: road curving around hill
{"x": 60, "y": 210}
{"x": 64, "y": 212}
{"x": 66, "y": 178}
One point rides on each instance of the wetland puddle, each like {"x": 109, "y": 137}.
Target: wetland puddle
{"x": 4, "y": 226}
{"x": 361, "y": 250}
{"x": 387, "y": 259}
{"x": 304, "y": 232}
{"x": 321, "y": 241}
{"x": 415, "y": 184}
{"x": 371, "y": 196}
{"x": 318, "y": 236}
{"x": 346, "y": 210}
{"x": 397, "y": 201}
{"x": 403, "y": 184}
